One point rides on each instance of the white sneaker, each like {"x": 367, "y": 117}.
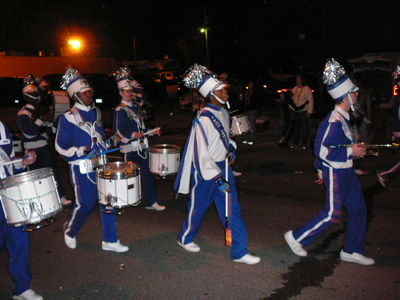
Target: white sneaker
{"x": 69, "y": 241}
{"x": 295, "y": 246}
{"x": 156, "y": 207}
{"x": 28, "y": 295}
{"x": 382, "y": 180}
{"x": 248, "y": 259}
{"x": 235, "y": 173}
{"x": 116, "y": 247}
{"x": 191, "y": 247}
{"x": 356, "y": 258}
{"x": 65, "y": 201}
{"x": 360, "y": 172}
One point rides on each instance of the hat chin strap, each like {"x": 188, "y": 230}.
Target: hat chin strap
{"x": 351, "y": 102}
{"x": 80, "y": 101}
{"x": 33, "y": 97}
{"x": 220, "y": 101}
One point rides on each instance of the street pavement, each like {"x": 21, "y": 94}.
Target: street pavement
{"x": 276, "y": 192}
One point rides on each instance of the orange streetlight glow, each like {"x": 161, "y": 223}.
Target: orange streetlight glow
{"x": 75, "y": 44}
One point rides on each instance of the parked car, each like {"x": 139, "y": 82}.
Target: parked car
{"x": 375, "y": 72}
{"x": 167, "y": 77}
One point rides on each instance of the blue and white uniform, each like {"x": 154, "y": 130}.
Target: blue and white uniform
{"x": 127, "y": 121}
{"x": 35, "y": 136}
{"x": 202, "y": 163}
{"x": 343, "y": 188}
{"x": 71, "y": 140}
{"x": 394, "y": 169}
{"x": 15, "y": 240}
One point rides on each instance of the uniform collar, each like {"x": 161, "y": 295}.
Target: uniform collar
{"x": 214, "y": 107}
{"x": 127, "y": 103}
{"x": 82, "y": 107}
{"x": 342, "y": 112}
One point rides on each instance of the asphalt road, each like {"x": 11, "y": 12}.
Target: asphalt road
{"x": 276, "y": 192}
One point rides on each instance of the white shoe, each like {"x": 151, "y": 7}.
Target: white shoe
{"x": 382, "y": 180}
{"x": 191, "y": 247}
{"x": 65, "y": 201}
{"x": 356, "y": 258}
{"x": 360, "y": 172}
{"x": 295, "y": 246}
{"x": 156, "y": 207}
{"x": 28, "y": 295}
{"x": 116, "y": 247}
{"x": 248, "y": 259}
{"x": 235, "y": 173}
{"x": 69, "y": 241}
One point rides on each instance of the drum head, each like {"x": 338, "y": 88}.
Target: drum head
{"x": 118, "y": 170}
{"x": 165, "y": 149}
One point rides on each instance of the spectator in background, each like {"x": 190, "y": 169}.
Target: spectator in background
{"x": 301, "y": 94}
{"x": 252, "y": 102}
{"x": 288, "y": 115}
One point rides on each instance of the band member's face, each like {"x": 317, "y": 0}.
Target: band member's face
{"x": 126, "y": 94}
{"x": 298, "y": 80}
{"x": 86, "y": 97}
{"x": 222, "y": 94}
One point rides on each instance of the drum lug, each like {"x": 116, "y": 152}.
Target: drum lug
{"x": 163, "y": 169}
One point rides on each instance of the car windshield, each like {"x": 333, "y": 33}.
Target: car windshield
{"x": 378, "y": 82}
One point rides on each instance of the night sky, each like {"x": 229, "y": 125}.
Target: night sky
{"x": 248, "y": 37}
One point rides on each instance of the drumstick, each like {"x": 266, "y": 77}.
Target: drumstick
{"x": 14, "y": 161}
{"x": 108, "y": 151}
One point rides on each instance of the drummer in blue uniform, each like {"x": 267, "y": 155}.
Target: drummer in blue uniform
{"x": 129, "y": 125}
{"x": 206, "y": 172}
{"x": 37, "y": 125}
{"x": 15, "y": 240}
{"x": 80, "y": 132}
{"x": 334, "y": 167}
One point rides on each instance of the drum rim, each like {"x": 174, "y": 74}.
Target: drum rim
{"x": 25, "y": 177}
{"x": 160, "y": 150}
{"x": 104, "y": 173}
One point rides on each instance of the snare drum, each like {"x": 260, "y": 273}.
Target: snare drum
{"x": 240, "y": 124}
{"x": 29, "y": 197}
{"x": 118, "y": 184}
{"x": 164, "y": 159}
{"x": 61, "y": 103}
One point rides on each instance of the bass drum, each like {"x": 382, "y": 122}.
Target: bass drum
{"x": 30, "y": 197}
{"x": 61, "y": 103}
{"x": 118, "y": 184}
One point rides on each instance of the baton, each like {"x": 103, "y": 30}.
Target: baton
{"x": 228, "y": 233}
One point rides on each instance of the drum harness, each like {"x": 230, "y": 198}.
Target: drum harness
{"x": 90, "y": 129}
{"x": 137, "y": 144}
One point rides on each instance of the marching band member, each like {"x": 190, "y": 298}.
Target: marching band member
{"x": 386, "y": 175}
{"x": 335, "y": 169}
{"x": 129, "y": 125}
{"x": 80, "y": 131}
{"x": 204, "y": 168}
{"x": 36, "y": 125}
{"x": 15, "y": 240}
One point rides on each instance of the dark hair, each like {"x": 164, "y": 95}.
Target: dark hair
{"x": 302, "y": 79}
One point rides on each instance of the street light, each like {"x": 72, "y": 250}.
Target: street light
{"x": 205, "y": 30}
{"x": 75, "y": 44}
